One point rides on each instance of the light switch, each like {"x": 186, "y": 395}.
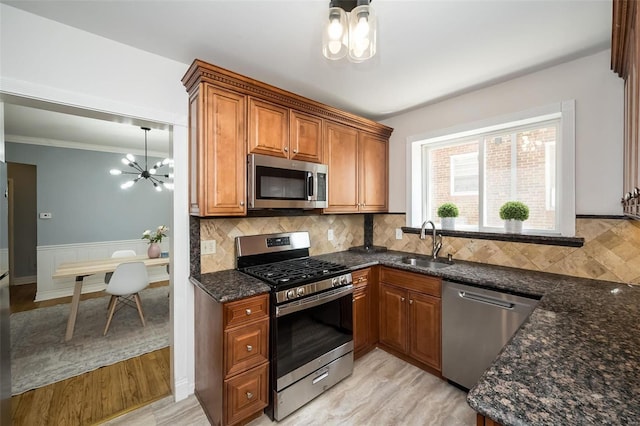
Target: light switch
{"x": 46, "y": 215}
{"x": 330, "y": 235}
{"x": 208, "y": 247}
{"x": 398, "y": 233}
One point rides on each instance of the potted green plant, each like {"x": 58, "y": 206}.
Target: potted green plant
{"x": 447, "y": 213}
{"x": 514, "y": 213}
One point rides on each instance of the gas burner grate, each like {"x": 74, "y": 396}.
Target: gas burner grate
{"x": 294, "y": 271}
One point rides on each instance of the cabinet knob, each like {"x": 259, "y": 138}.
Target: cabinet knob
{"x": 249, "y": 348}
{"x": 411, "y": 301}
{"x": 295, "y": 151}
{"x": 248, "y": 311}
{"x": 242, "y": 203}
{"x": 249, "y": 395}
{"x": 286, "y": 149}
{"x": 402, "y": 299}
{"x": 353, "y": 300}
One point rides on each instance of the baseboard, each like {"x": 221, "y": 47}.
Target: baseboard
{"x": 24, "y": 280}
{"x": 182, "y": 389}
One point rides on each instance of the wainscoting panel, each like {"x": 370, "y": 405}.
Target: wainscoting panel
{"x": 49, "y": 257}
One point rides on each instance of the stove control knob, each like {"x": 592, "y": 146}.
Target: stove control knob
{"x": 334, "y": 282}
{"x": 343, "y": 279}
{"x": 290, "y": 294}
{"x": 300, "y": 291}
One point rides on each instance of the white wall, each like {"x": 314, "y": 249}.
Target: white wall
{"x": 598, "y": 93}
{"x": 45, "y": 60}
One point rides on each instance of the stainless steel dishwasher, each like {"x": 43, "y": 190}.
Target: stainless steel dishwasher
{"x": 476, "y": 324}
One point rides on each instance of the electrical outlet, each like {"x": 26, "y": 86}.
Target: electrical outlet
{"x": 398, "y": 233}
{"x": 330, "y": 235}
{"x": 208, "y": 247}
{"x": 46, "y": 215}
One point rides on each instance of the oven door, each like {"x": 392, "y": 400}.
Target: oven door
{"x": 310, "y": 333}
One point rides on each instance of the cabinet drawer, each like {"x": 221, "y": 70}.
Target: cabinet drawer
{"x": 361, "y": 277}
{"x": 246, "y": 394}
{"x": 246, "y": 347}
{"x": 411, "y": 281}
{"x": 246, "y": 310}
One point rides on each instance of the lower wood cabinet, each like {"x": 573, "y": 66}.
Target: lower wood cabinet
{"x": 410, "y": 316}
{"x": 231, "y": 357}
{"x": 364, "y": 322}
{"x": 485, "y": 421}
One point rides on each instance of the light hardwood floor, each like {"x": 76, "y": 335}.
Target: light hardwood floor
{"x": 95, "y": 396}
{"x": 383, "y": 390}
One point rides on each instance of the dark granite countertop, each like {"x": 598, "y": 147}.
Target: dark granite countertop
{"x": 230, "y": 285}
{"x": 575, "y": 360}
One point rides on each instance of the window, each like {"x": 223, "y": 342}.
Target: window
{"x": 480, "y": 169}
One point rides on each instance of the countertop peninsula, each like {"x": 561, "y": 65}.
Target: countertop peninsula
{"x": 575, "y": 360}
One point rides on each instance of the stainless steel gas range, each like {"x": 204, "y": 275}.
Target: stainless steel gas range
{"x": 311, "y": 341}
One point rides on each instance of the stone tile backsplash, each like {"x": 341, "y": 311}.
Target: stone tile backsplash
{"x": 611, "y": 250}
{"x": 348, "y": 231}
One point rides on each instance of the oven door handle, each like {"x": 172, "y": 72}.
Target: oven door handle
{"x": 312, "y": 301}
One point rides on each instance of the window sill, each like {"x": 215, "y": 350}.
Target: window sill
{"x": 549, "y": 240}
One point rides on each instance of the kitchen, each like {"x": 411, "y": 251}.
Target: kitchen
{"x": 587, "y": 79}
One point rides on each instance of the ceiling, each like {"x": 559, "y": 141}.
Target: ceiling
{"x": 427, "y": 50}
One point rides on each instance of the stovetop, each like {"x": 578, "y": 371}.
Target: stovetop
{"x": 293, "y": 272}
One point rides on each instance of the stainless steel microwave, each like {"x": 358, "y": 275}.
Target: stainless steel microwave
{"x": 278, "y": 183}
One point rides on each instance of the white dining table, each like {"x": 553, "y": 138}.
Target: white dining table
{"x": 82, "y": 269}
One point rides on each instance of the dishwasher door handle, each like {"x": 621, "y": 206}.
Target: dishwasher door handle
{"x": 484, "y": 299}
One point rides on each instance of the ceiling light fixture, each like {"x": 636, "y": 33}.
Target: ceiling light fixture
{"x": 151, "y": 175}
{"x": 351, "y": 29}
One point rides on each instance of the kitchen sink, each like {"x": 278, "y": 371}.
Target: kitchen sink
{"x": 426, "y": 262}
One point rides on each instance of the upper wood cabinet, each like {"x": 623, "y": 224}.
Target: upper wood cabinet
{"x": 282, "y": 132}
{"x": 625, "y": 60}
{"x": 268, "y": 129}
{"x": 231, "y": 115}
{"x": 358, "y": 170}
{"x": 305, "y": 138}
{"x": 217, "y": 155}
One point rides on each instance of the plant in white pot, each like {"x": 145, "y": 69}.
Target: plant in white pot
{"x": 447, "y": 213}
{"x": 514, "y": 213}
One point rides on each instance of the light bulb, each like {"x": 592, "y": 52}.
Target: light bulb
{"x": 152, "y": 171}
{"x": 168, "y": 185}
{"x": 170, "y": 175}
{"x": 158, "y": 188}
{"x": 126, "y": 162}
{"x": 166, "y": 161}
{"x": 115, "y": 172}
{"x": 131, "y": 158}
{"x": 335, "y": 46}
{"x": 127, "y": 184}
{"x": 335, "y": 29}
{"x": 362, "y": 29}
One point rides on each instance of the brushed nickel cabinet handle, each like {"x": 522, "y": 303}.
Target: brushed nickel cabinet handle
{"x": 242, "y": 203}
{"x": 286, "y": 149}
{"x": 410, "y": 301}
{"x": 295, "y": 151}
{"x": 249, "y": 348}
{"x": 249, "y": 395}
{"x": 402, "y": 299}
{"x": 248, "y": 311}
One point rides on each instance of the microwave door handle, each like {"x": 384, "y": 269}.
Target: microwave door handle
{"x": 310, "y": 185}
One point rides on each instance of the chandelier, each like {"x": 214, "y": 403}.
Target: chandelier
{"x": 152, "y": 175}
{"x": 351, "y": 28}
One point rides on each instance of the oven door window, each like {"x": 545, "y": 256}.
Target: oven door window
{"x": 280, "y": 184}
{"x": 305, "y": 335}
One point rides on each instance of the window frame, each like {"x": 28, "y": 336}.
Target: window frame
{"x": 565, "y": 162}
{"x": 452, "y": 175}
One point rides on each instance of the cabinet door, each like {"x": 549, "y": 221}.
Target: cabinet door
{"x": 221, "y": 154}
{"x": 268, "y": 129}
{"x": 305, "y": 139}
{"x": 341, "y": 155}
{"x": 393, "y": 327}
{"x": 374, "y": 173}
{"x": 424, "y": 329}
{"x": 361, "y": 320}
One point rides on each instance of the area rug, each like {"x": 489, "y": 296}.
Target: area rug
{"x": 40, "y": 356}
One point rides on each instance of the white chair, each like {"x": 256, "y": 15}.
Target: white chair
{"x": 128, "y": 279}
{"x": 118, "y": 253}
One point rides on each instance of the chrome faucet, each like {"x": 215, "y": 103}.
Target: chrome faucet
{"x": 437, "y": 239}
